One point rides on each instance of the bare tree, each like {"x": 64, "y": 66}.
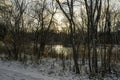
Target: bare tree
{"x": 107, "y": 31}
{"x": 93, "y": 10}
{"x": 69, "y": 15}
{"x": 45, "y": 18}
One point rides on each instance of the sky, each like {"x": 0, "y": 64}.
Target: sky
{"x": 60, "y": 17}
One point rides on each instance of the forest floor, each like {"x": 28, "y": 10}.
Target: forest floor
{"x": 49, "y": 69}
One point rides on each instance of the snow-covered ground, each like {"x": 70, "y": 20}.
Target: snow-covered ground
{"x": 12, "y": 70}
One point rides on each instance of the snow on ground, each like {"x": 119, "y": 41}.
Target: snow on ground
{"x": 13, "y": 70}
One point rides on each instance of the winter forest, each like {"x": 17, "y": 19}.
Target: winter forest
{"x": 59, "y": 39}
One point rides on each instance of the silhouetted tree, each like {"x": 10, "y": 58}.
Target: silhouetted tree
{"x": 69, "y": 15}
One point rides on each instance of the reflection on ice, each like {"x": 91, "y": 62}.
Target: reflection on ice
{"x": 60, "y": 49}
